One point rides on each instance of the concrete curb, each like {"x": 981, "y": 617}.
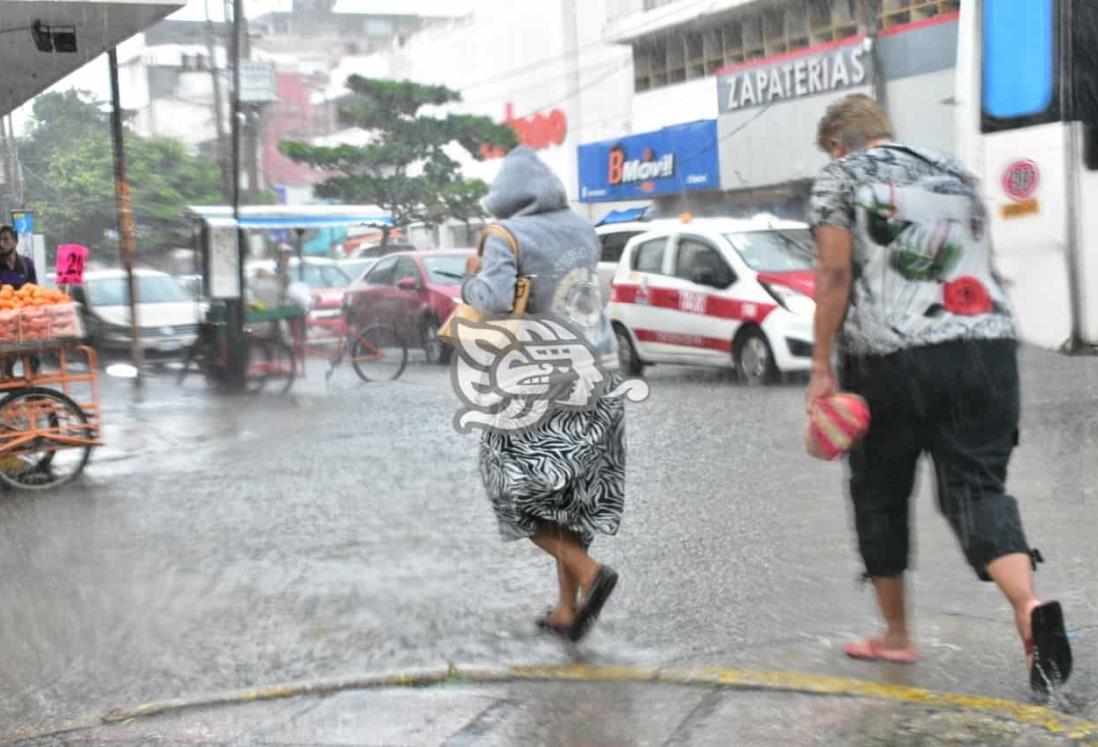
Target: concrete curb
{"x": 1054, "y": 722}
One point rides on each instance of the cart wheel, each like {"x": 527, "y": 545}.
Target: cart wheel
{"x": 271, "y": 364}
{"x": 378, "y": 353}
{"x": 37, "y": 430}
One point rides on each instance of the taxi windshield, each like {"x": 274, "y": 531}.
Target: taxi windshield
{"x": 774, "y": 251}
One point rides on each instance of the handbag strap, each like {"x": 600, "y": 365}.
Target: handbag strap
{"x": 494, "y": 229}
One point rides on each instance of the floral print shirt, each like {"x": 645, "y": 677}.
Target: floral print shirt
{"x": 923, "y": 271}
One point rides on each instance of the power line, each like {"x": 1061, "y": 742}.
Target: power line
{"x": 588, "y": 69}
{"x": 582, "y": 88}
{"x": 652, "y": 25}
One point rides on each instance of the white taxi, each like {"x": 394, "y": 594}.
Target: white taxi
{"x": 717, "y": 292}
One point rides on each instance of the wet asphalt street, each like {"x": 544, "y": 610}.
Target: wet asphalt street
{"x": 217, "y": 544}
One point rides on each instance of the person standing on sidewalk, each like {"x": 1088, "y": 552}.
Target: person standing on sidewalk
{"x": 905, "y": 284}
{"x": 561, "y": 482}
{"x": 15, "y": 269}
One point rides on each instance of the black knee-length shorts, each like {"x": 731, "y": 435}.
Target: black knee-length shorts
{"x": 958, "y": 402}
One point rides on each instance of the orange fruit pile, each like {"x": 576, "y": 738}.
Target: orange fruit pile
{"x": 35, "y": 313}
{"x": 30, "y": 295}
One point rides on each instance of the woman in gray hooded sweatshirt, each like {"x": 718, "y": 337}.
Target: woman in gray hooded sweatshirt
{"x": 563, "y": 481}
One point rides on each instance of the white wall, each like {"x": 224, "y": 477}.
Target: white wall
{"x": 518, "y": 53}
{"x": 685, "y": 102}
{"x": 922, "y": 110}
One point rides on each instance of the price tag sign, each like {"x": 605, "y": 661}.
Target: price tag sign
{"x": 71, "y": 259}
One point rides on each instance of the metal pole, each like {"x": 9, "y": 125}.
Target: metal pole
{"x": 299, "y": 250}
{"x": 237, "y": 358}
{"x": 126, "y": 237}
{"x": 219, "y": 119}
{"x": 871, "y": 20}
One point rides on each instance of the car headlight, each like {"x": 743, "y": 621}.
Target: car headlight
{"x": 792, "y": 301}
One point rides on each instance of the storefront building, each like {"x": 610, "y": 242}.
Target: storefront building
{"x": 659, "y": 166}
{"x": 766, "y": 73}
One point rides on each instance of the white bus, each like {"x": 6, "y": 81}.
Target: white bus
{"x": 1027, "y": 112}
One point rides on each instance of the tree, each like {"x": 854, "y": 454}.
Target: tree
{"x": 69, "y": 174}
{"x": 404, "y": 168}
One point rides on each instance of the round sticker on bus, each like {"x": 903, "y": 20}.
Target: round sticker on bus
{"x": 1021, "y": 179}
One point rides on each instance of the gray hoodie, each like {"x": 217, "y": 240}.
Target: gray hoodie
{"x": 557, "y": 247}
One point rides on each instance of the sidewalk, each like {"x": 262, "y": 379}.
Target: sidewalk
{"x": 581, "y": 706}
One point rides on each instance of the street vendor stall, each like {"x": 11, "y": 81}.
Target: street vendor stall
{"x": 49, "y": 395}
{"x": 275, "y": 344}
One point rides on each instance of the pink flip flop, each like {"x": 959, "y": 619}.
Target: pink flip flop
{"x": 871, "y": 650}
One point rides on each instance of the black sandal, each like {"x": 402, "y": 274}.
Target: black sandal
{"x": 1051, "y": 649}
{"x": 605, "y": 581}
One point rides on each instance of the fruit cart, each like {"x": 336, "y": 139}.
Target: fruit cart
{"x": 49, "y": 394}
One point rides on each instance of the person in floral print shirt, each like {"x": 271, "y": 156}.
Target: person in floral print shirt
{"x": 909, "y": 303}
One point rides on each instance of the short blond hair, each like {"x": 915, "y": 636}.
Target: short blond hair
{"x": 854, "y": 121}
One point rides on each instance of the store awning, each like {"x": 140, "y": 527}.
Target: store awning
{"x": 275, "y": 217}
{"x": 96, "y": 25}
{"x": 623, "y": 216}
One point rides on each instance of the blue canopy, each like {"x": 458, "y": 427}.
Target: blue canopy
{"x": 622, "y": 216}
{"x": 276, "y": 217}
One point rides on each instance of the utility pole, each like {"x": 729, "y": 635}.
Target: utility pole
{"x": 871, "y": 21}
{"x": 125, "y": 215}
{"x": 219, "y": 115}
{"x": 251, "y": 119}
{"x": 16, "y": 168}
{"x": 234, "y": 308}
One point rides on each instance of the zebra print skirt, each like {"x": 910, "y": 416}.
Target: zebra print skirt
{"x": 570, "y": 470}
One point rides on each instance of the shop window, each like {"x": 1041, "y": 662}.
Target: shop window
{"x": 753, "y": 46}
{"x": 732, "y": 36}
{"x": 695, "y": 55}
{"x": 658, "y": 62}
{"x": 676, "y": 59}
{"x": 691, "y": 52}
{"x": 819, "y": 21}
{"x": 899, "y": 12}
{"x": 773, "y": 22}
{"x": 796, "y": 26}
{"x": 714, "y": 51}
{"x": 642, "y": 67}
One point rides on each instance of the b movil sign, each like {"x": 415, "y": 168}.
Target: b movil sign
{"x": 829, "y": 70}
{"x": 675, "y": 159}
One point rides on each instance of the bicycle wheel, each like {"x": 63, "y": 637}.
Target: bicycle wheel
{"x": 43, "y": 439}
{"x": 271, "y": 363}
{"x": 378, "y": 353}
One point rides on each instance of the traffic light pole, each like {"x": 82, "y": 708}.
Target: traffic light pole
{"x": 235, "y": 308}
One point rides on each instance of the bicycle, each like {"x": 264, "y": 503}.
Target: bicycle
{"x": 376, "y": 352}
{"x": 269, "y": 360}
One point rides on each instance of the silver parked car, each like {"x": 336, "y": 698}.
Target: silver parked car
{"x": 168, "y": 314}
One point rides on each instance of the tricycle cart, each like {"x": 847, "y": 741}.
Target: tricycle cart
{"x": 271, "y": 361}
{"x": 49, "y": 397}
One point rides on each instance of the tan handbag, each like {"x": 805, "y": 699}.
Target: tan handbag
{"x": 471, "y": 314}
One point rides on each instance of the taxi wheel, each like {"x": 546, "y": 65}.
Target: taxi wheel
{"x": 755, "y": 359}
{"x": 627, "y": 354}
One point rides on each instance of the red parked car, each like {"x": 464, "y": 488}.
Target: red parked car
{"x": 413, "y": 292}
